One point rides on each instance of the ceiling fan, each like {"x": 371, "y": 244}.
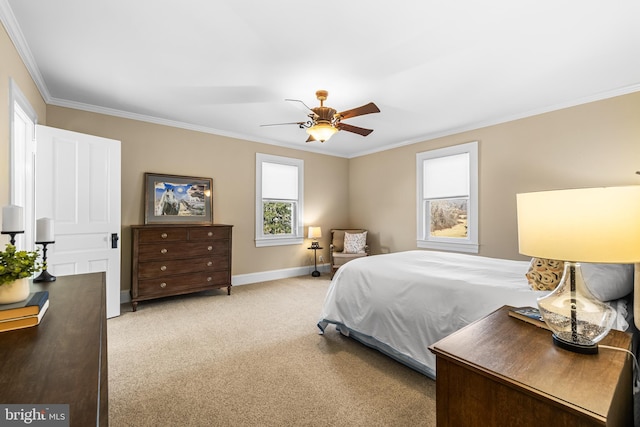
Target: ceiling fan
{"x": 324, "y": 122}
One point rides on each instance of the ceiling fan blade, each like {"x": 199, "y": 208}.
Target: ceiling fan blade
{"x": 297, "y": 100}
{"x": 310, "y": 139}
{"x": 360, "y": 111}
{"x": 354, "y": 129}
{"x": 280, "y": 124}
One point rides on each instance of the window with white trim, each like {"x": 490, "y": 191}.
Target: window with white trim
{"x": 279, "y": 200}
{"x": 448, "y": 198}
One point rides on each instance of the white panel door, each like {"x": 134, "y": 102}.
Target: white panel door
{"x": 78, "y": 186}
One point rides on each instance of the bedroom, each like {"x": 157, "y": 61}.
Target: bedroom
{"x": 590, "y": 144}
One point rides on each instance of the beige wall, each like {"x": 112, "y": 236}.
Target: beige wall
{"x": 12, "y": 67}
{"x": 588, "y": 145}
{"x": 595, "y": 144}
{"x": 148, "y": 147}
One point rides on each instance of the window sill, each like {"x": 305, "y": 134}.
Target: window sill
{"x": 282, "y": 241}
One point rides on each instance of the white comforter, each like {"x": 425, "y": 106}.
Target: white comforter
{"x": 403, "y": 302}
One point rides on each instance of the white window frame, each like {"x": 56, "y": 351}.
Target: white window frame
{"x": 424, "y": 238}
{"x": 297, "y": 236}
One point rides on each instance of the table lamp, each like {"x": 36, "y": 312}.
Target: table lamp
{"x": 315, "y": 233}
{"x": 598, "y": 225}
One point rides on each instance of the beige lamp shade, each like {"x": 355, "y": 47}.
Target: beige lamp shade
{"x": 584, "y": 225}
{"x": 322, "y": 131}
{"x": 315, "y": 232}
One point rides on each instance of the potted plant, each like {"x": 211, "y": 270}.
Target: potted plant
{"x": 16, "y": 267}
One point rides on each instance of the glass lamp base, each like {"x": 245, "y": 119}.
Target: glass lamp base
{"x": 575, "y": 347}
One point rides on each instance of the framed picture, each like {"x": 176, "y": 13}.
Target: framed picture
{"x": 174, "y": 199}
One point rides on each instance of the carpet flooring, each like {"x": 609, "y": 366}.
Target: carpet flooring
{"x": 254, "y": 358}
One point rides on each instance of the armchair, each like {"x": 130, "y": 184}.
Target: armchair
{"x": 356, "y": 247}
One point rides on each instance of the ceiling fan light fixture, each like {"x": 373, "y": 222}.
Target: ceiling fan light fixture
{"x": 322, "y": 131}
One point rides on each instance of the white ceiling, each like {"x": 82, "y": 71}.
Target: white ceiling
{"x": 225, "y": 66}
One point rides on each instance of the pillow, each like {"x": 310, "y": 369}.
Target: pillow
{"x": 608, "y": 282}
{"x": 355, "y": 243}
{"x": 544, "y": 274}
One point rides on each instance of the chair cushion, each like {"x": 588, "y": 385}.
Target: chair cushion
{"x": 340, "y": 258}
{"x": 354, "y": 243}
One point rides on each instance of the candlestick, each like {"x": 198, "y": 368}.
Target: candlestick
{"x": 44, "y": 276}
{"x": 12, "y": 239}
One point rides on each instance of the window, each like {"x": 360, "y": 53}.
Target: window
{"x": 448, "y": 198}
{"x": 279, "y": 190}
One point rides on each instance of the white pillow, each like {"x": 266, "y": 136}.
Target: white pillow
{"x": 608, "y": 282}
{"x": 355, "y": 243}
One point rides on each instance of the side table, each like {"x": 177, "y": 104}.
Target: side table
{"x": 501, "y": 371}
{"x": 315, "y": 272}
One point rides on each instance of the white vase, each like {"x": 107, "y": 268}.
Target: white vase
{"x": 15, "y": 291}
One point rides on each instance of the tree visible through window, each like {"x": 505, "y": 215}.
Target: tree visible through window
{"x": 278, "y": 217}
{"x": 279, "y": 184}
{"x": 448, "y": 198}
{"x": 449, "y": 218}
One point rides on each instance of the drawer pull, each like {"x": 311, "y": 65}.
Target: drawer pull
{"x": 209, "y": 279}
{"x": 163, "y": 268}
{"x": 209, "y": 264}
{"x": 163, "y": 285}
{"x": 210, "y": 233}
{"x": 163, "y": 235}
{"x": 163, "y": 251}
{"x": 209, "y": 248}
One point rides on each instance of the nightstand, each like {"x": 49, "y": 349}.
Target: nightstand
{"x": 501, "y": 371}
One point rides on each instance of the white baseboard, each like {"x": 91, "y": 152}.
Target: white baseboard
{"x": 263, "y": 276}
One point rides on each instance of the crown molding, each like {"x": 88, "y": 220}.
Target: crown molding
{"x": 10, "y": 23}
{"x": 482, "y": 124}
{"x": 178, "y": 124}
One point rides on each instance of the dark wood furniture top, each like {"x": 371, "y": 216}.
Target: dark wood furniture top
{"x": 63, "y": 360}
{"x": 501, "y": 371}
{"x": 175, "y": 259}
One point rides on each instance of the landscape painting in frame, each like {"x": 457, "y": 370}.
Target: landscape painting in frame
{"x": 174, "y": 199}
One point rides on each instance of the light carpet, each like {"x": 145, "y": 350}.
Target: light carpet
{"x": 254, "y": 358}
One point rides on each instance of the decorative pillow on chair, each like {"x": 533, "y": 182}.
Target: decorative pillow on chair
{"x": 355, "y": 243}
{"x": 544, "y": 274}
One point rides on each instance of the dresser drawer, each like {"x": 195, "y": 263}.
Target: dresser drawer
{"x": 201, "y": 233}
{"x": 162, "y": 234}
{"x": 176, "y": 259}
{"x": 179, "y": 250}
{"x": 172, "y": 267}
{"x": 181, "y": 284}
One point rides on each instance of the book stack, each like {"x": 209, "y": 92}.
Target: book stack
{"x": 24, "y": 314}
{"x": 529, "y": 315}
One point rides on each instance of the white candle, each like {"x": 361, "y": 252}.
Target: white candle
{"x": 12, "y": 218}
{"x": 44, "y": 230}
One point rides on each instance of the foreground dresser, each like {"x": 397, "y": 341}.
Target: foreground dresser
{"x": 501, "y": 371}
{"x": 179, "y": 259}
{"x": 63, "y": 360}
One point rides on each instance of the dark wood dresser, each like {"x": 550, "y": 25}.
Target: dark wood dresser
{"x": 63, "y": 360}
{"x": 501, "y": 371}
{"x": 179, "y": 259}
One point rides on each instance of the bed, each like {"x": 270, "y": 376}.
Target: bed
{"x": 401, "y": 303}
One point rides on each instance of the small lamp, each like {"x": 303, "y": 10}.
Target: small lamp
{"x": 600, "y": 225}
{"x": 315, "y": 233}
{"x": 322, "y": 131}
